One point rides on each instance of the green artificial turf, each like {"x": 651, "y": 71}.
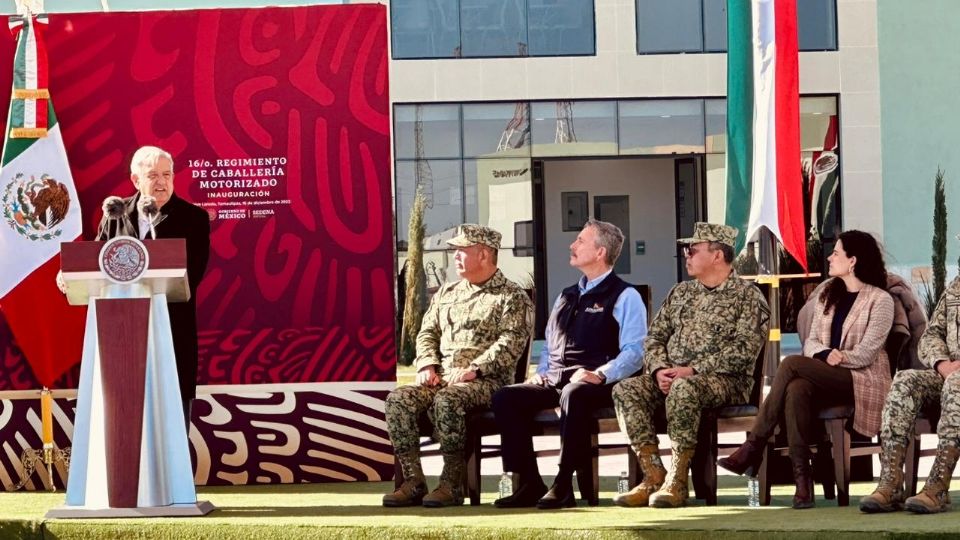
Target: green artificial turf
{"x": 352, "y": 510}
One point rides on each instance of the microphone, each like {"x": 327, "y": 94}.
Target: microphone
{"x": 148, "y": 207}
{"x": 115, "y": 221}
{"x": 113, "y": 207}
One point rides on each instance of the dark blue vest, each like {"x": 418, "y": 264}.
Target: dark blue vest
{"x": 583, "y": 332}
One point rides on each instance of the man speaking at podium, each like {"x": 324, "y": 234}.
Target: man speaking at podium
{"x": 156, "y": 212}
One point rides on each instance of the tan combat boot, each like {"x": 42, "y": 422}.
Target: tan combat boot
{"x": 674, "y": 492}
{"x": 935, "y": 496}
{"x": 888, "y": 497}
{"x": 653, "y": 475}
{"x": 449, "y": 492}
{"x": 414, "y": 486}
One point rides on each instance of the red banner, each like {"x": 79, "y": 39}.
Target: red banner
{"x": 278, "y": 121}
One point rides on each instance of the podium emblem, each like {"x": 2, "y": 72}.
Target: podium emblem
{"x": 124, "y": 259}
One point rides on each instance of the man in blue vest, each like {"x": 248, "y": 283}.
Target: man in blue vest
{"x": 594, "y": 338}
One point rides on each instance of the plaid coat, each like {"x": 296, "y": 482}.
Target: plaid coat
{"x": 864, "y": 336}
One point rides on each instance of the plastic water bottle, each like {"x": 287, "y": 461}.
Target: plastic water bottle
{"x": 506, "y": 485}
{"x": 753, "y": 491}
{"x": 623, "y": 484}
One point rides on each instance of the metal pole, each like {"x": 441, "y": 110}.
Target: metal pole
{"x": 769, "y": 273}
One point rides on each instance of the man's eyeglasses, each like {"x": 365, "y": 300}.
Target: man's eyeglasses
{"x": 690, "y": 251}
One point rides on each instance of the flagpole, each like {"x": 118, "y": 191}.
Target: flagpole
{"x": 770, "y": 274}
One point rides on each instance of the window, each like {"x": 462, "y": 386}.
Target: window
{"x": 440, "y": 129}
{"x": 496, "y": 130}
{"x": 443, "y": 188}
{"x": 675, "y": 26}
{"x": 666, "y": 126}
{"x": 566, "y": 128}
{"x": 491, "y": 28}
{"x": 424, "y": 29}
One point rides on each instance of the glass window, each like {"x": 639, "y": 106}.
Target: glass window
{"x": 714, "y": 25}
{"x": 493, "y": 28}
{"x": 443, "y": 188}
{"x": 424, "y": 29}
{"x": 496, "y": 130}
{"x": 820, "y": 163}
{"x": 500, "y": 195}
{"x": 669, "y": 26}
{"x": 440, "y": 126}
{"x": 560, "y": 27}
{"x": 661, "y": 126}
{"x": 716, "y": 123}
{"x": 817, "y": 25}
{"x": 567, "y": 128}
{"x": 672, "y": 26}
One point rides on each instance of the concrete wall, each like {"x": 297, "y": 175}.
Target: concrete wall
{"x": 919, "y": 80}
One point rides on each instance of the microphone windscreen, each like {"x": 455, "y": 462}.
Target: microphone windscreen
{"x": 148, "y": 205}
{"x": 113, "y": 206}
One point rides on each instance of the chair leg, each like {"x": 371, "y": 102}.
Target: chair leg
{"x": 823, "y": 471}
{"x": 589, "y": 481}
{"x": 397, "y": 473}
{"x": 704, "y": 465}
{"x": 473, "y": 478}
{"x": 633, "y": 468}
{"x": 763, "y": 475}
{"x": 911, "y": 464}
{"x": 840, "y": 442}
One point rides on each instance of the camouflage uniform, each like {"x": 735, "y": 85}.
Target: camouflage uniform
{"x": 482, "y": 327}
{"x": 716, "y": 332}
{"x": 916, "y": 389}
{"x": 485, "y": 327}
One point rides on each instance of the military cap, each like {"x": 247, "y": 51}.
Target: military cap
{"x": 711, "y": 232}
{"x": 471, "y": 234}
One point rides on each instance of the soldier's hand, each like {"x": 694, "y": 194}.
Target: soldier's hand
{"x": 835, "y": 357}
{"x": 536, "y": 379}
{"x": 460, "y": 375}
{"x": 947, "y": 367}
{"x": 428, "y": 376}
{"x": 665, "y": 379}
{"x": 583, "y": 375}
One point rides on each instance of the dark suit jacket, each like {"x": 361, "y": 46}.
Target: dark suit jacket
{"x": 182, "y": 219}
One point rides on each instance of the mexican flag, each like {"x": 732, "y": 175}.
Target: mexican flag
{"x": 40, "y": 209}
{"x": 764, "y": 185}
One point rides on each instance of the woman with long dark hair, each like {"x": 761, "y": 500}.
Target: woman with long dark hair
{"x": 843, "y": 363}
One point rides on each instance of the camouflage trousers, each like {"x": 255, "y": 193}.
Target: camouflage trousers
{"x": 914, "y": 390}
{"x": 446, "y": 405}
{"x": 637, "y": 399}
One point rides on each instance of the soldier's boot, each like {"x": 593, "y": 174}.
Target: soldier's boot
{"x": 935, "y": 497}
{"x": 653, "y": 476}
{"x": 888, "y": 496}
{"x": 450, "y": 491}
{"x": 674, "y": 492}
{"x": 414, "y": 486}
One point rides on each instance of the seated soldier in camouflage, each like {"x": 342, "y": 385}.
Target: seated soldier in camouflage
{"x": 912, "y": 391}
{"x": 700, "y": 352}
{"x": 471, "y": 337}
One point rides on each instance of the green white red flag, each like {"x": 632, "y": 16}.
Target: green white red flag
{"x": 40, "y": 209}
{"x": 764, "y": 184}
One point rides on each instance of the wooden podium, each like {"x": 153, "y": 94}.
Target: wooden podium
{"x": 130, "y": 454}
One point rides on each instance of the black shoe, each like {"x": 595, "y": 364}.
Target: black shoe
{"x": 525, "y": 497}
{"x": 559, "y": 496}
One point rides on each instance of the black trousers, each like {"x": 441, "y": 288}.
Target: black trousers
{"x": 516, "y": 405}
{"x": 801, "y": 387}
